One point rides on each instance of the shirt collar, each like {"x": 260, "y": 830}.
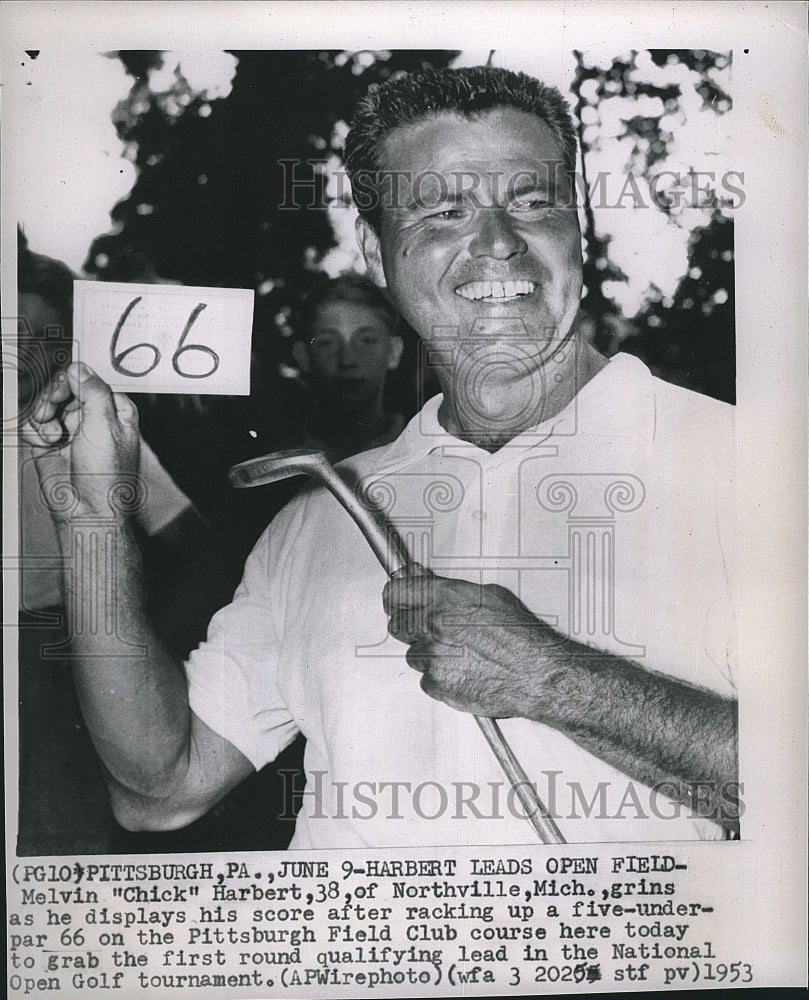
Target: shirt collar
{"x": 616, "y": 402}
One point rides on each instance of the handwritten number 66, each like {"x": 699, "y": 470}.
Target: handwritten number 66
{"x": 117, "y": 357}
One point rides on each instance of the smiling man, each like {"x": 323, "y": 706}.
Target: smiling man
{"x": 479, "y": 246}
{"x": 567, "y": 517}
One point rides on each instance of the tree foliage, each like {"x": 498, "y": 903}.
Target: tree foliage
{"x": 214, "y": 204}
{"x": 635, "y": 113}
{"x": 231, "y": 190}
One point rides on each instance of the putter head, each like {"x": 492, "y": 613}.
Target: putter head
{"x": 277, "y": 466}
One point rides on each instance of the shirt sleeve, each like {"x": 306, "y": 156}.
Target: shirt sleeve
{"x": 233, "y": 676}
{"x": 164, "y": 499}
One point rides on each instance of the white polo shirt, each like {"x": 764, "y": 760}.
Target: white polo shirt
{"x": 613, "y": 522}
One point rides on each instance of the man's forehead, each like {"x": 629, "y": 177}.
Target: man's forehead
{"x": 450, "y": 140}
{"x": 489, "y": 158}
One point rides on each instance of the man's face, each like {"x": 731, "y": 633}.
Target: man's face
{"x": 350, "y": 349}
{"x": 481, "y": 244}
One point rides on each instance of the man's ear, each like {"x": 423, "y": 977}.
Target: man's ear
{"x": 301, "y": 355}
{"x": 369, "y": 245}
{"x": 395, "y": 352}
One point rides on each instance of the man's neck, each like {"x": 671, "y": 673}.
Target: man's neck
{"x": 495, "y": 415}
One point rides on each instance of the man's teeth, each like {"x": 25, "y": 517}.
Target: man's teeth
{"x": 494, "y": 289}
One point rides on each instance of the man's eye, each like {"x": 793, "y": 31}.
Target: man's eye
{"x": 535, "y": 204}
{"x": 447, "y": 215}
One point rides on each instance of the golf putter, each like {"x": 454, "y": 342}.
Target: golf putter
{"x": 391, "y": 553}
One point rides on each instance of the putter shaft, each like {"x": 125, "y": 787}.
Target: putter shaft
{"x": 392, "y": 555}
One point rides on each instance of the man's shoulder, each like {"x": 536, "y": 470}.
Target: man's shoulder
{"x": 673, "y": 408}
{"x": 406, "y": 446}
{"x": 684, "y": 411}
{"x": 314, "y": 510}
{"x": 674, "y": 394}
{"x": 692, "y": 439}
{"x": 313, "y": 507}
{"x": 368, "y": 463}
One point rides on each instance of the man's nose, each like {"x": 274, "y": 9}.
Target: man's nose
{"x": 496, "y": 236}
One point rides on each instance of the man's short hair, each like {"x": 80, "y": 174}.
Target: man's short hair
{"x": 469, "y": 91}
{"x": 345, "y": 288}
{"x": 50, "y": 279}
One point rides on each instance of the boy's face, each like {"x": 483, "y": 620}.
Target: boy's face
{"x": 349, "y": 351}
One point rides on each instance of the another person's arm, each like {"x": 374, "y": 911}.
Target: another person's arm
{"x": 191, "y": 572}
{"x": 166, "y": 767}
{"x": 480, "y": 650}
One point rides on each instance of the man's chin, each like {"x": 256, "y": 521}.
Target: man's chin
{"x": 527, "y": 350}
{"x": 509, "y": 326}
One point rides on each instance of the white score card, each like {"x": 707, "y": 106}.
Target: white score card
{"x": 164, "y": 338}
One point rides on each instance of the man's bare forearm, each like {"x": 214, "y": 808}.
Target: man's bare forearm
{"x": 654, "y": 728}
{"x": 165, "y": 766}
{"x": 132, "y": 693}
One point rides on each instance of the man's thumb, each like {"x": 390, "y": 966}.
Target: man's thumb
{"x": 87, "y": 387}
